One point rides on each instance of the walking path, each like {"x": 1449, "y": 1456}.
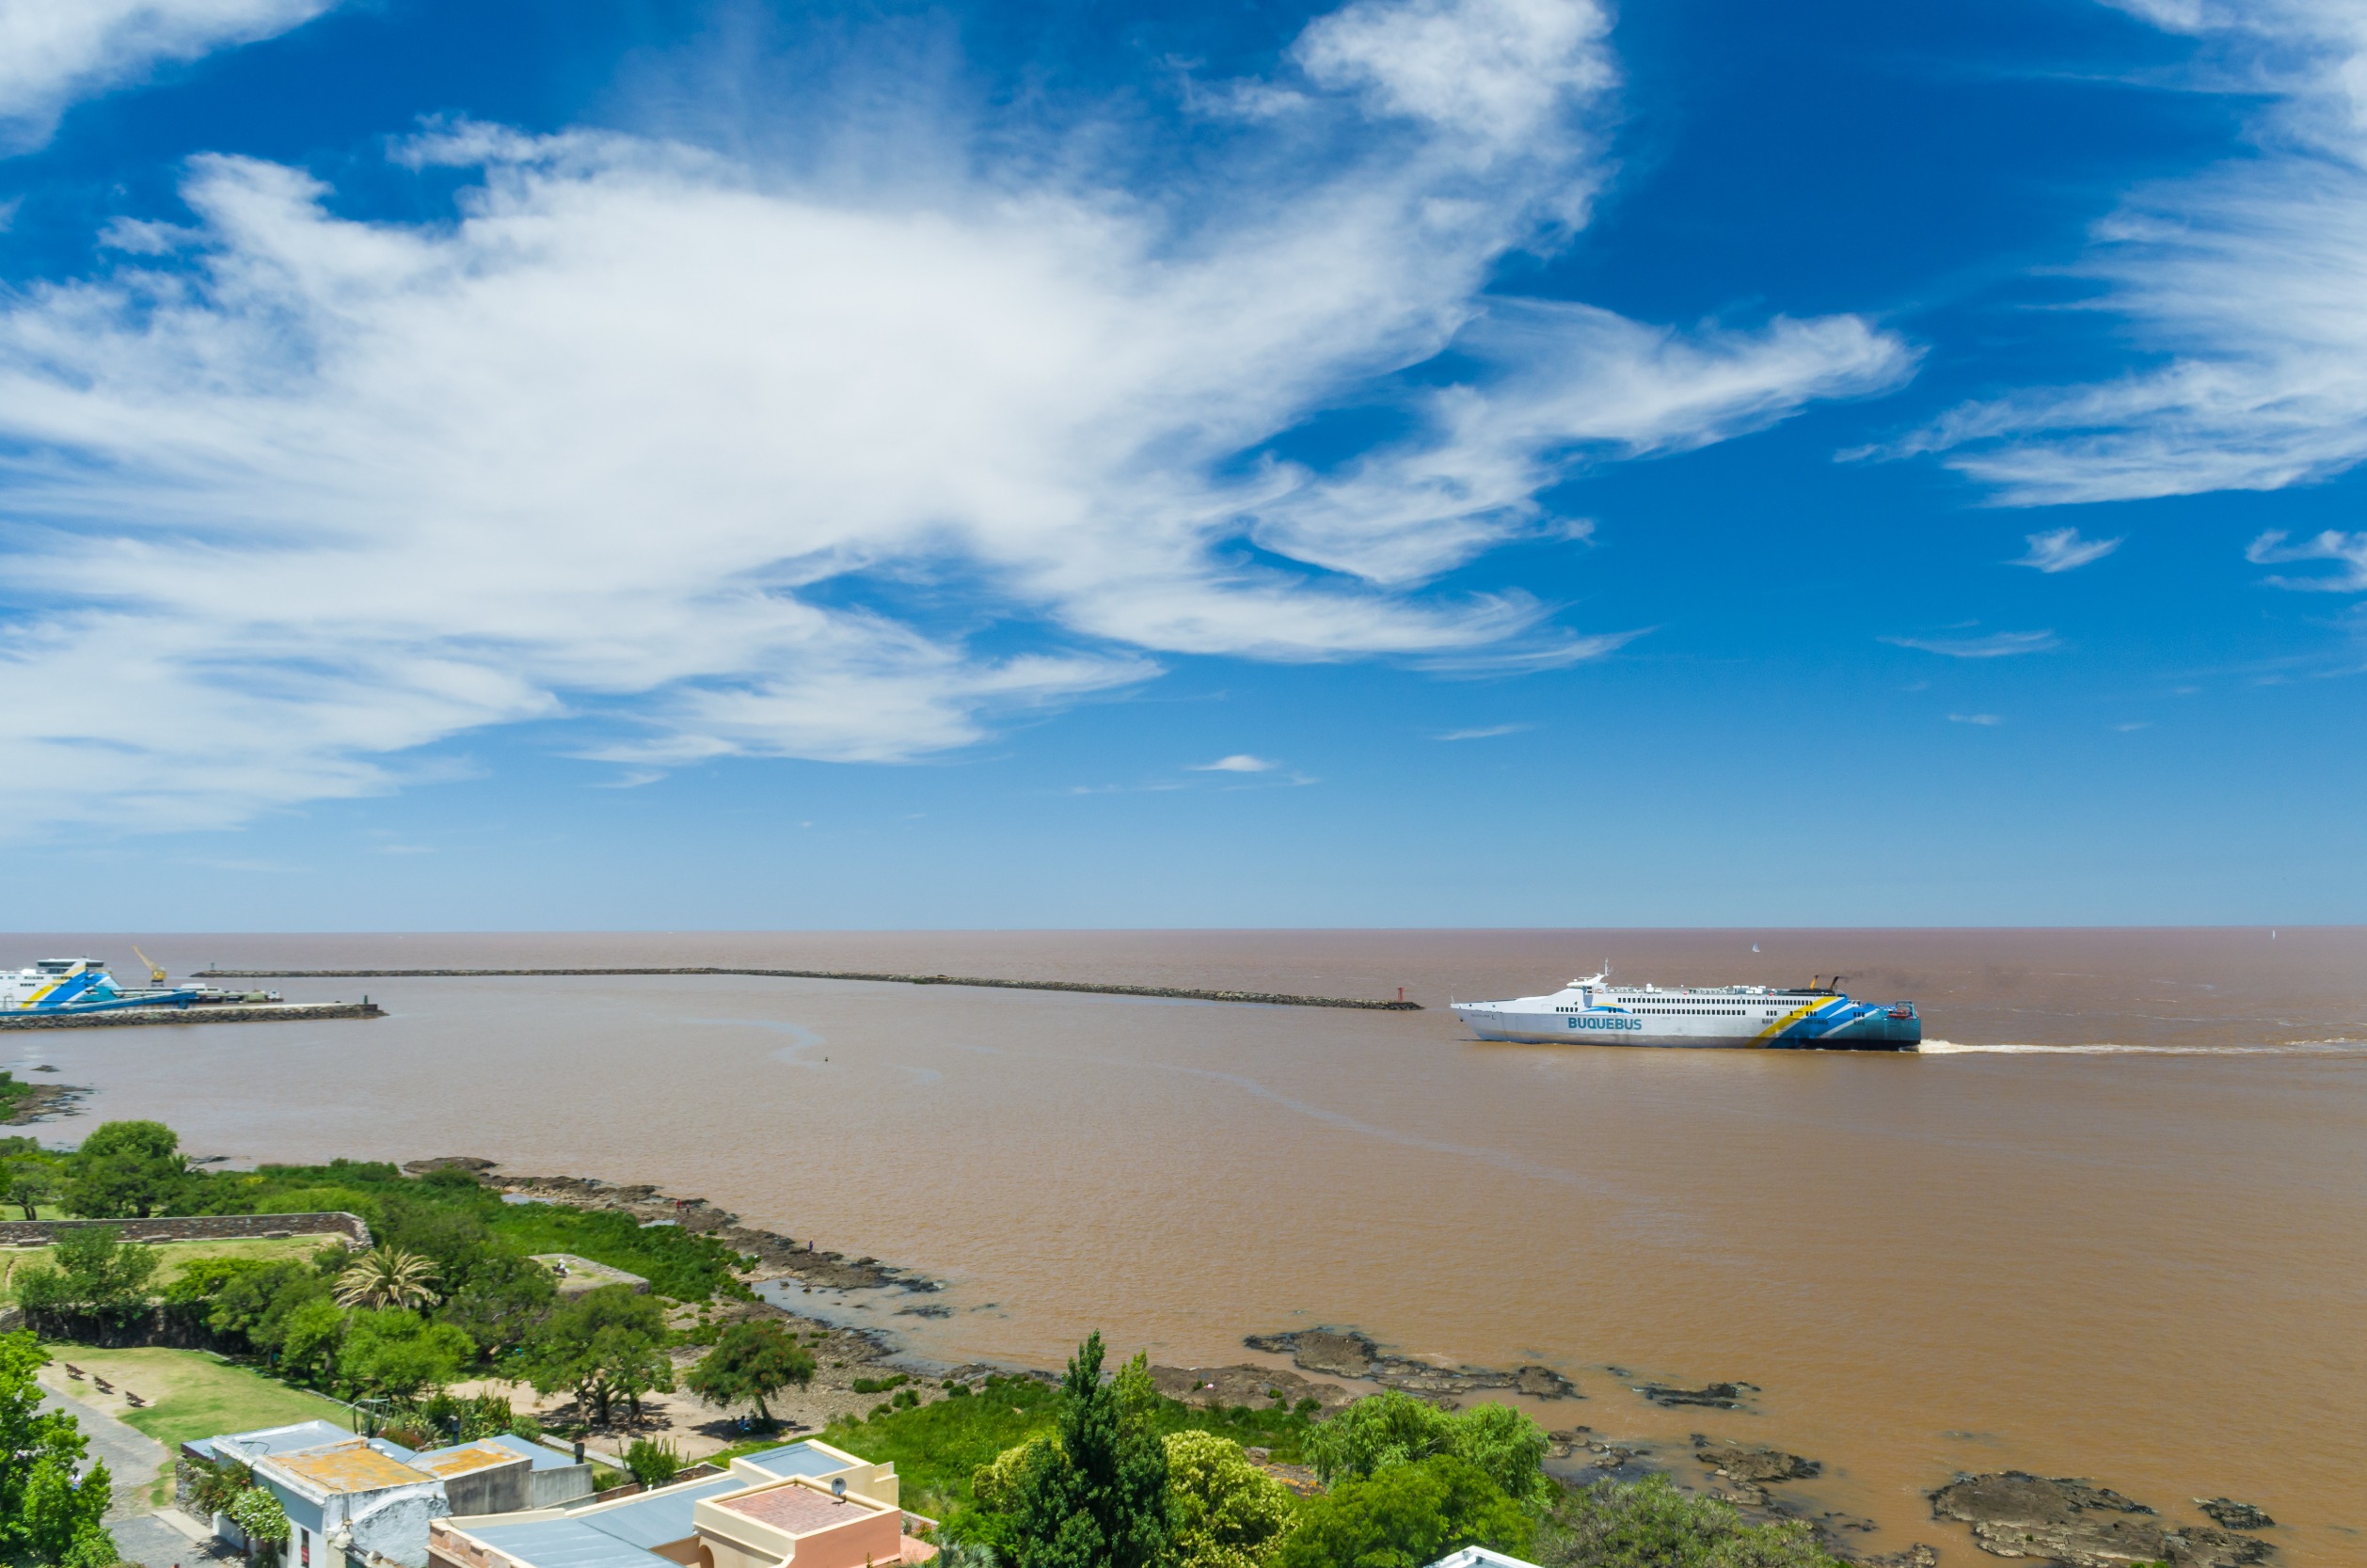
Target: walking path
{"x": 168, "y": 1539}
{"x": 134, "y": 1459}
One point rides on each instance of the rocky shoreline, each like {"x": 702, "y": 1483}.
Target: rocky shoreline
{"x": 2010, "y": 1513}
{"x": 32, "y": 1103}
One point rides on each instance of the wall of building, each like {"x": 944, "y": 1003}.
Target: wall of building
{"x": 502, "y": 1489}
{"x": 395, "y": 1523}
{"x": 549, "y": 1488}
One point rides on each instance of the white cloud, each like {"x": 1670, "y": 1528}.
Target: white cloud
{"x": 56, "y": 52}
{"x": 647, "y": 439}
{"x": 1488, "y": 732}
{"x": 1985, "y": 719}
{"x": 2247, "y": 283}
{"x": 1240, "y": 762}
{"x": 2270, "y": 550}
{"x": 1997, "y": 645}
{"x": 2061, "y": 549}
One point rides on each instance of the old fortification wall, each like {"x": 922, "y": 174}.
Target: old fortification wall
{"x": 193, "y": 1227}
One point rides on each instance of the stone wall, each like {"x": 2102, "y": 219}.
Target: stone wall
{"x": 193, "y": 1227}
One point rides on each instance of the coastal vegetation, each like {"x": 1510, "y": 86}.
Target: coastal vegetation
{"x": 1026, "y": 1473}
{"x": 48, "y": 1516}
{"x": 1099, "y": 1470}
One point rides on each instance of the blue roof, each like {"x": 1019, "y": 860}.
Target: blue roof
{"x": 543, "y": 1454}
{"x": 566, "y": 1544}
{"x": 658, "y": 1517}
{"x": 267, "y": 1440}
{"x": 798, "y": 1459}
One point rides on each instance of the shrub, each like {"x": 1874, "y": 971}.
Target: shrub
{"x": 653, "y": 1465}
{"x": 1405, "y": 1515}
{"x": 1650, "y": 1523}
{"x": 1223, "y": 1512}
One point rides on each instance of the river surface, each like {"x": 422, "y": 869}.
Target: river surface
{"x": 2111, "y": 1223}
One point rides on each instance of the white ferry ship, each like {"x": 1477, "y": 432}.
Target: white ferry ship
{"x": 1592, "y": 1011}
{"x": 83, "y": 986}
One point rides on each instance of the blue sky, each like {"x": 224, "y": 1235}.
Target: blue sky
{"x": 1421, "y": 462}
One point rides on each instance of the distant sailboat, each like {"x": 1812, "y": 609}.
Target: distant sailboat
{"x": 1754, "y": 947}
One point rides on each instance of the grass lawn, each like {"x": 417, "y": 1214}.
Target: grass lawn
{"x": 171, "y": 1257}
{"x": 189, "y": 1393}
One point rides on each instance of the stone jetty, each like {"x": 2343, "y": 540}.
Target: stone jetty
{"x": 203, "y": 1012}
{"x": 1096, "y": 987}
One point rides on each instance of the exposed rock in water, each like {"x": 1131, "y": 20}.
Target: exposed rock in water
{"x": 1916, "y": 1556}
{"x": 1543, "y": 1382}
{"x": 1226, "y": 1386}
{"x": 1351, "y": 1352}
{"x": 447, "y": 1162}
{"x": 2235, "y": 1515}
{"x": 1712, "y": 1396}
{"x": 32, "y": 1103}
{"x": 1758, "y": 1467}
{"x": 2013, "y": 1514}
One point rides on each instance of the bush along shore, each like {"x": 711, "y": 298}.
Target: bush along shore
{"x": 452, "y": 1308}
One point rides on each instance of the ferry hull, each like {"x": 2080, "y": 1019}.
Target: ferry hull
{"x": 1858, "y": 1028}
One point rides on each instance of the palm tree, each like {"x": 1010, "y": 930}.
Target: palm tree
{"x": 387, "y": 1277}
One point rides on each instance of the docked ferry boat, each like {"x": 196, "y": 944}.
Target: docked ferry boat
{"x": 1592, "y": 1011}
{"x": 83, "y": 986}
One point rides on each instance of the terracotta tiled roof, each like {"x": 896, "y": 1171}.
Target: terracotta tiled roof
{"x": 797, "y": 1510}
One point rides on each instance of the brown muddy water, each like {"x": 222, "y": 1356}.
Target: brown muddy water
{"x": 2113, "y": 1223}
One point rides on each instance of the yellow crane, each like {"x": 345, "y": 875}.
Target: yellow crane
{"x": 155, "y": 970}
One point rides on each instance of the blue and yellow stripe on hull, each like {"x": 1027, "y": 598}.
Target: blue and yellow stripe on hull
{"x": 1837, "y": 1023}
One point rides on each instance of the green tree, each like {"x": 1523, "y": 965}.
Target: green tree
{"x": 258, "y": 1300}
{"x": 1405, "y": 1515}
{"x": 311, "y": 1337}
{"x": 750, "y": 1363}
{"x": 398, "y": 1353}
{"x": 127, "y": 1170}
{"x": 91, "y": 1273}
{"x": 601, "y": 1345}
{"x": 387, "y": 1277}
{"x": 29, "y": 1181}
{"x": 1391, "y": 1428}
{"x": 503, "y": 1299}
{"x": 1223, "y": 1510}
{"x": 43, "y": 1510}
{"x": 1650, "y": 1523}
{"x": 1097, "y": 1498}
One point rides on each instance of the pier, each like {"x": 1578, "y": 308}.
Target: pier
{"x": 203, "y": 1012}
{"x": 1271, "y": 999}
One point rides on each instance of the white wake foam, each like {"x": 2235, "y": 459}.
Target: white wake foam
{"x": 2284, "y": 1048}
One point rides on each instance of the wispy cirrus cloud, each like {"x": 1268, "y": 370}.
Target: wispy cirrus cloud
{"x": 2243, "y": 285}
{"x": 1984, "y": 721}
{"x": 2062, "y": 549}
{"x": 626, "y": 446}
{"x": 56, "y": 52}
{"x": 1488, "y": 732}
{"x": 1240, "y": 762}
{"x": 2348, "y": 550}
{"x": 1997, "y": 645}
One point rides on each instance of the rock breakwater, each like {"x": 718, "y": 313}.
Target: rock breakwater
{"x": 1352, "y": 1353}
{"x": 2078, "y": 1522}
{"x": 1094, "y": 988}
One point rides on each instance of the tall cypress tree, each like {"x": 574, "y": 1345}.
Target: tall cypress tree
{"x": 1099, "y": 1499}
